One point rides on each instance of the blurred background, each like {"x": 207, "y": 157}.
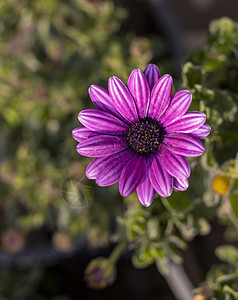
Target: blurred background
{"x": 53, "y": 220}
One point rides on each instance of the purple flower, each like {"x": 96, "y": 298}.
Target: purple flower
{"x": 139, "y": 135}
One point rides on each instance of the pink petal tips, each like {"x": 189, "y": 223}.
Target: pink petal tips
{"x": 139, "y": 88}
{"x": 160, "y": 97}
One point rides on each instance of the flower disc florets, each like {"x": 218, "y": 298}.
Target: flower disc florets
{"x": 145, "y": 136}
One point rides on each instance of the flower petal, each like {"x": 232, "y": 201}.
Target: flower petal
{"x": 183, "y": 144}
{"x": 102, "y": 145}
{"x": 160, "y": 97}
{"x": 152, "y": 74}
{"x": 101, "y": 99}
{"x": 122, "y": 99}
{"x": 102, "y": 122}
{"x": 139, "y": 88}
{"x": 177, "y": 108}
{"x": 187, "y": 123}
{"x": 110, "y": 170}
{"x": 202, "y": 132}
{"x": 176, "y": 165}
{"x": 145, "y": 192}
{"x": 94, "y": 166}
{"x": 132, "y": 174}
{"x": 181, "y": 184}
{"x": 82, "y": 133}
{"x": 161, "y": 181}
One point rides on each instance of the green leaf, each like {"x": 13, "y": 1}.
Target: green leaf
{"x": 222, "y": 29}
{"x": 228, "y": 254}
{"x": 143, "y": 256}
{"x": 191, "y": 74}
{"x": 234, "y": 190}
{"x": 178, "y": 202}
{"x": 202, "y": 226}
{"x": 234, "y": 203}
{"x": 135, "y": 229}
{"x": 138, "y": 262}
{"x": 175, "y": 254}
{"x": 232, "y": 292}
{"x": 216, "y": 272}
{"x": 153, "y": 228}
{"x": 162, "y": 262}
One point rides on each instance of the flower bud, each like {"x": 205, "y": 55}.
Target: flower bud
{"x": 62, "y": 241}
{"x": 12, "y": 241}
{"x": 100, "y": 273}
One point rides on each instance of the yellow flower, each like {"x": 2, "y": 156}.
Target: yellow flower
{"x": 221, "y": 184}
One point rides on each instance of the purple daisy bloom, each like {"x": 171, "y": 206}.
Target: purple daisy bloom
{"x": 139, "y": 135}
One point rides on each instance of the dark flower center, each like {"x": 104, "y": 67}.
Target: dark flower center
{"x": 145, "y": 136}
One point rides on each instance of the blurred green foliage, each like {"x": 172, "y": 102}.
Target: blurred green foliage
{"x": 221, "y": 280}
{"x": 159, "y": 233}
{"x": 211, "y": 74}
{"x": 51, "y": 52}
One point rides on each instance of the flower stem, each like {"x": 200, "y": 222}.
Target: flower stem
{"x": 116, "y": 253}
